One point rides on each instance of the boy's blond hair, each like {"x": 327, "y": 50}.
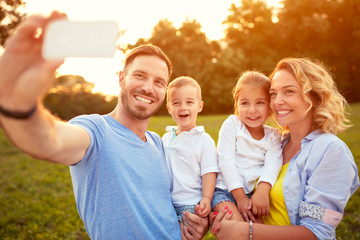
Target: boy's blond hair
{"x": 183, "y": 81}
{"x": 320, "y": 91}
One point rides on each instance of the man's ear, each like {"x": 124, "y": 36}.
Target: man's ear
{"x": 121, "y": 77}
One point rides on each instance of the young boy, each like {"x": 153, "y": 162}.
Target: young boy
{"x": 190, "y": 152}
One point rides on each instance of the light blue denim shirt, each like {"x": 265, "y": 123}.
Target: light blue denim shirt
{"x": 319, "y": 181}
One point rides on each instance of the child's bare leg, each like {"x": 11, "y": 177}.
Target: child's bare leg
{"x": 232, "y": 207}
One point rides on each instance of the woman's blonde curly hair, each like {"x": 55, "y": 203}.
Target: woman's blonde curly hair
{"x": 320, "y": 91}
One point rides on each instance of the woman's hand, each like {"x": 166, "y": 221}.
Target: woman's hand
{"x": 225, "y": 228}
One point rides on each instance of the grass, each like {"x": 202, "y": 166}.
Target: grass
{"x": 37, "y": 201}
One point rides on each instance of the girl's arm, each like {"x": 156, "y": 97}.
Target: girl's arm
{"x": 273, "y": 160}
{"x": 272, "y": 166}
{"x": 243, "y": 204}
{"x": 226, "y": 154}
{"x": 260, "y": 202}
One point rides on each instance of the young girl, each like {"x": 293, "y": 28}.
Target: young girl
{"x": 249, "y": 152}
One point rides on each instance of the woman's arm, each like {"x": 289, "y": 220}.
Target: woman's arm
{"x": 223, "y": 228}
{"x": 330, "y": 178}
{"x": 241, "y": 230}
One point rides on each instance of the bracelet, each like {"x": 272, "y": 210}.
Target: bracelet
{"x": 18, "y": 115}
{"x": 250, "y": 230}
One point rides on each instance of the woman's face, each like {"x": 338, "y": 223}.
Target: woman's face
{"x": 287, "y": 101}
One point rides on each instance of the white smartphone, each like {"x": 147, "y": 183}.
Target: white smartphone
{"x": 64, "y": 38}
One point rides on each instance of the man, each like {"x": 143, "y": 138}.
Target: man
{"x": 120, "y": 179}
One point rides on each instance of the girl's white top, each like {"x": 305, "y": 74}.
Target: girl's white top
{"x": 243, "y": 159}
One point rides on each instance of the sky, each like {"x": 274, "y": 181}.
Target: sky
{"x": 137, "y": 17}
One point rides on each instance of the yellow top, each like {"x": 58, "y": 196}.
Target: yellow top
{"x": 278, "y": 213}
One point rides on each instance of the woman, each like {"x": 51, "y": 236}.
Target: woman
{"x": 321, "y": 174}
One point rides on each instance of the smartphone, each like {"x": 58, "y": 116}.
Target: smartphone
{"x": 65, "y": 38}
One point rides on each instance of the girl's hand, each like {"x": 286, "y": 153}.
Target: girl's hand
{"x": 244, "y": 207}
{"x": 260, "y": 200}
{"x": 260, "y": 204}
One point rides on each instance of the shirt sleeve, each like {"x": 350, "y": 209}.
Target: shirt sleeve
{"x": 91, "y": 123}
{"x": 273, "y": 160}
{"x": 227, "y": 155}
{"x": 329, "y": 183}
{"x": 208, "y": 156}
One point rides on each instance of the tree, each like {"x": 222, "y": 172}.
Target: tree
{"x": 191, "y": 53}
{"x": 220, "y": 78}
{"x": 328, "y": 30}
{"x": 249, "y": 27}
{"x": 303, "y": 25}
{"x": 344, "y": 59}
{"x": 10, "y": 17}
{"x": 71, "y": 96}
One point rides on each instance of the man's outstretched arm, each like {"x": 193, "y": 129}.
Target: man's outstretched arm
{"x": 24, "y": 78}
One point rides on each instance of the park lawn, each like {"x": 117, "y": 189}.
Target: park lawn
{"x": 37, "y": 201}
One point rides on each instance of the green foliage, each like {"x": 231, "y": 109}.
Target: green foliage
{"x": 326, "y": 30}
{"x": 192, "y": 54}
{"x": 10, "y": 17}
{"x": 349, "y": 227}
{"x": 72, "y": 96}
{"x": 37, "y": 200}
{"x": 249, "y": 27}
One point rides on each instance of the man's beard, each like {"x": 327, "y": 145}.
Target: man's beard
{"x": 137, "y": 112}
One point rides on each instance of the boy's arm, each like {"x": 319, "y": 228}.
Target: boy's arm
{"x": 208, "y": 186}
{"x": 24, "y": 78}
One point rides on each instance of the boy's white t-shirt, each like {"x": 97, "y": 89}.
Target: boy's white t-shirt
{"x": 189, "y": 156}
{"x": 243, "y": 160}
